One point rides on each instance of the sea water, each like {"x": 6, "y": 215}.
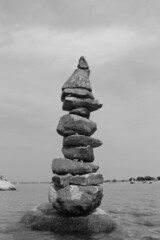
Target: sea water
{"x": 134, "y": 207}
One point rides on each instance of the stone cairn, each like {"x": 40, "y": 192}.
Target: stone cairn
{"x": 76, "y": 189}
{"x": 75, "y": 192}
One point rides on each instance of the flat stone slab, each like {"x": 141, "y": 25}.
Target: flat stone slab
{"x": 82, "y": 153}
{"x": 70, "y": 103}
{"x": 45, "y": 218}
{"x": 70, "y": 124}
{"x": 63, "y": 166}
{"x": 81, "y": 180}
{"x": 75, "y": 200}
{"x": 81, "y": 140}
{"x": 76, "y": 92}
{"x": 83, "y": 112}
{"x": 79, "y": 79}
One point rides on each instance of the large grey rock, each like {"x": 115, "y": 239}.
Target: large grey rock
{"x": 79, "y": 79}
{"x": 83, "y": 112}
{"x": 80, "y": 140}
{"x": 76, "y": 200}
{"x": 70, "y": 103}
{"x": 83, "y": 63}
{"x": 84, "y": 154}
{"x": 76, "y": 92}
{"x": 63, "y": 166}
{"x": 46, "y": 218}
{"x": 72, "y": 124}
{"x": 81, "y": 180}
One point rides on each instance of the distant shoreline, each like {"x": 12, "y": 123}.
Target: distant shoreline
{"x": 31, "y": 182}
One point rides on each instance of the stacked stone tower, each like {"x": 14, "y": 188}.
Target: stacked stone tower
{"x": 76, "y": 189}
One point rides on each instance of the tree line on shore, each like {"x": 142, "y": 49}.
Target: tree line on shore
{"x": 139, "y": 179}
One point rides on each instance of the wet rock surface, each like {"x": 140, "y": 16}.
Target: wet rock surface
{"x": 46, "y": 218}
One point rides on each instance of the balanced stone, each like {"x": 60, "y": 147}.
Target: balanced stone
{"x": 76, "y": 92}
{"x": 82, "y": 180}
{"x": 75, "y": 200}
{"x": 63, "y": 166}
{"x": 81, "y": 140}
{"x": 83, "y": 112}
{"x": 72, "y": 124}
{"x": 87, "y": 179}
{"x": 61, "y": 181}
{"x": 81, "y": 153}
{"x": 72, "y": 102}
{"x": 83, "y": 63}
{"x": 79, "y": 79}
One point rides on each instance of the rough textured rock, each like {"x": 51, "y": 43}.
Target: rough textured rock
{"x": 83, "y": 112}
{"x": 61, "y": 181}
{"x": 72, "y": 102}
{"x": 81, "y": 153}
{"x": 83, "y": 63}
{"x": 77, "y": 200}
{"x": 71, "y": 124}
{"x": 76, "y": 92}
{"x": 81, "y": 180}
{"x": 46, "y": 218}
{"x": 80, "y": 140}
{"x": 63, "y": 166}
{"x": 79, "y": 79}
{"x": 88, "y": 179}
{"x": 149, "y": 238}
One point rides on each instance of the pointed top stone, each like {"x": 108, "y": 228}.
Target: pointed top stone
{"x": 80, "y": 77}
{"x": 83, "y": 63}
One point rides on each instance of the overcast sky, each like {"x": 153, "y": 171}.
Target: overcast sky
{"x": 40, "y": 44}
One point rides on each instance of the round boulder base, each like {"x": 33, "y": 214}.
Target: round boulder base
{"x": 46, "y": 218}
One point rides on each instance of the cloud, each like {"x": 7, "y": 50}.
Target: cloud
{"x": 99, "y": 44}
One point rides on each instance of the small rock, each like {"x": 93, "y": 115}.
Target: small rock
{"x": 61, "y": 181}
{"x": 81, "y": 140}
{"x": 76, "y": 92}
{"x": 71, "y": 124}
{"x": 83, "y": 112}
{"x": 63, "y": 166}
{"x": 81, "y": 153}
{"x": 79, "y": 79}
{"x": 77, "y": 200}
{"x": 70, "y": 103}
{"x": 83, "y": 63}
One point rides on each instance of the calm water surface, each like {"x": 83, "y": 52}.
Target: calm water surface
{"x": 135, "y": 208}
